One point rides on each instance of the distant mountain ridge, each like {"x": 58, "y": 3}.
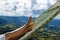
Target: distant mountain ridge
{"x": 55, "y": 22}
{"x": 22, "y": 20}
{"x": 13, "y": 20}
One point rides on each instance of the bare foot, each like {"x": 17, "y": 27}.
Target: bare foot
{"x": 30, "y": 24}
{"x": 30, "y": 27}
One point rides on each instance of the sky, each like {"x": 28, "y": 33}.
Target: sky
{"x": 24, "y": 7}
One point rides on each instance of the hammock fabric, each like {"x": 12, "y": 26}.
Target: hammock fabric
{"x": 43, "y": 19}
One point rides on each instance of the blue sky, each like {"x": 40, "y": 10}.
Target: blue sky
{"x": 24, "y": 7}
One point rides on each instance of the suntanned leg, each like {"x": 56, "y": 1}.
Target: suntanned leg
{"x": 19, "y": 33}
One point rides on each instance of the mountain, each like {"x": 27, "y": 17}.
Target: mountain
{"x": 7, "y": 23}
{"x": 55, "y": 22}
{"x": 53, "y": 25}
{"x": 18, "y": 21}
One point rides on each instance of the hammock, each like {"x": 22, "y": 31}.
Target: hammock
{"x": 43, "y": 19}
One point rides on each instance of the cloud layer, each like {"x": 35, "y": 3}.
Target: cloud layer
{"x": 23, "y": 7}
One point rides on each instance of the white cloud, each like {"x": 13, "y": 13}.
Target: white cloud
{"x": 41, "y": 1}
{"x": 43, "y": 4}
{"x": 23, "y": 7}
{"x": 6, "y": 8}
{"x": 52, "y": 1}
